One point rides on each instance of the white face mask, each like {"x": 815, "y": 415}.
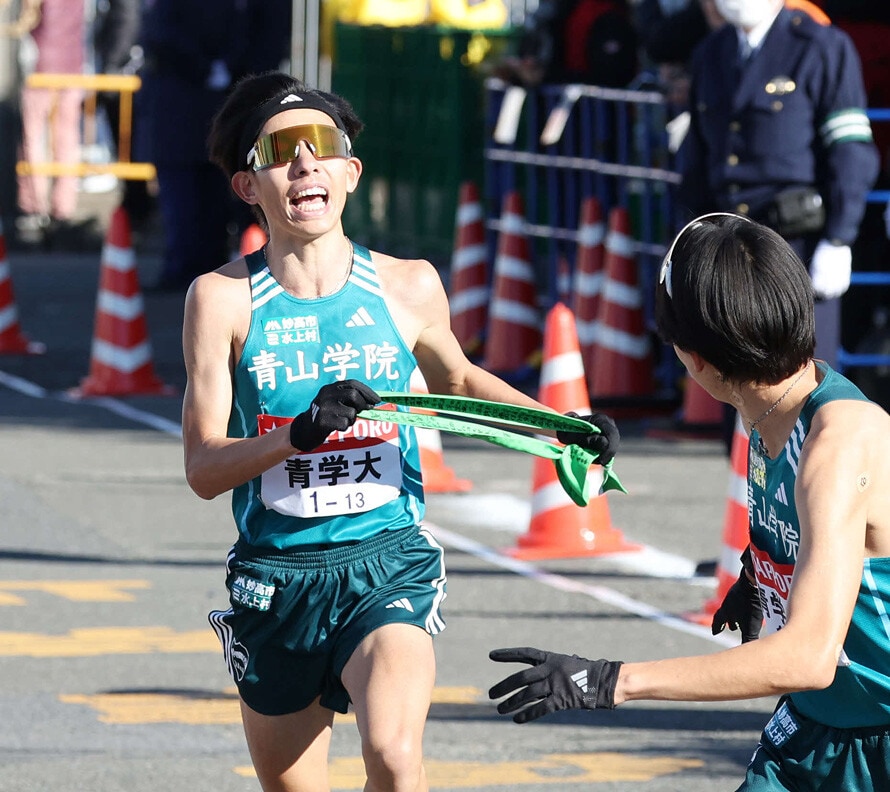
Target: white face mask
{"x": 746, "y": 13}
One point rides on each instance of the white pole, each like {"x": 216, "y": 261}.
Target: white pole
{"x": 298, "y": 25}
{"x": 305, "y": 35}
{"x": 313, "y": 30}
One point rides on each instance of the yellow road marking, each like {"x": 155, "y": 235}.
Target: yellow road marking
{"x": 74, "y": 590}
{"x": 209, "y": 708}
{"x": 142, "y": 708}
{"x": 94, "y": 641}
{"x": 349, "y": 773}
{"x": 458, "y": 695}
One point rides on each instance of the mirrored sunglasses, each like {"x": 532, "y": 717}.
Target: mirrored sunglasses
{"x": 283, "y": 146}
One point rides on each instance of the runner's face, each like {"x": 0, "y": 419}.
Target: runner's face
{"x": 307, "y": 192}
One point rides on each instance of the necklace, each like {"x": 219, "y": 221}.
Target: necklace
{"x": 345, "y": 278}
{"x": 761, "y": 446}
{"x": 342, "y": 283}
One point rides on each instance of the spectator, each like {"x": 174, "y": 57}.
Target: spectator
{"x": 576, "y": 41}
{"x": 192, "y": 57}
{"x": 115, "y": 37}
{"x": 669, "y": 33}
{"x": 779, "y": 132}
{"x": 51, "y": 120}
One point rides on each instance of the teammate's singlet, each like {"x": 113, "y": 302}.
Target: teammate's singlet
{"x": 860, "y": 693}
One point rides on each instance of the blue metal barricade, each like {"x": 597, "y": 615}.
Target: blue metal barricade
{"x": 559, "y": 144}
{"x": 846, "y": 359}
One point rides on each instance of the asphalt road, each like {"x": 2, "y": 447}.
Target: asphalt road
{"x": 111, "y": 679}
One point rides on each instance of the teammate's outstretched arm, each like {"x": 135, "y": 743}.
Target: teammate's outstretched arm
{"x": 803, "y": 655}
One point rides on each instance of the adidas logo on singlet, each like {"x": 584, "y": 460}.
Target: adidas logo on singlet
{"x": 361, "y": 318}
{"x": 780, "y": 494}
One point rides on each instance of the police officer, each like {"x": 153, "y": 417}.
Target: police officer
{"x": 192, "y": 58}
{"x": 779, "y": 133}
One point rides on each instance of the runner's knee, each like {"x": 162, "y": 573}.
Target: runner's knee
{"x": 393, "y": 764}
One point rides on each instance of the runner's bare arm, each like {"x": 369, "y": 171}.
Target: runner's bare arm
{"x": 833, "y": 508}
{"x": 420, "y": 308}
{"x": 215, "y": 463}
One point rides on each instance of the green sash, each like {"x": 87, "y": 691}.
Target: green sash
{"x": 572, "y": 462}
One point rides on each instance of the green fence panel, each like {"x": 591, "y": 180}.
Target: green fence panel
{"x": 420, "y": 92}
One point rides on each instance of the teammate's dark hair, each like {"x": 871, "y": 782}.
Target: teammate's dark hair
{"x": 740, "y": 298}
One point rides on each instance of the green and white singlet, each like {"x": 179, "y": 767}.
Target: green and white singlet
{"x": 359, "y": 482}
{"x": 860, "y": 693}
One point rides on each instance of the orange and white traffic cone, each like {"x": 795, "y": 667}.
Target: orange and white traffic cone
{"x": 513, "y": 342}
{"x": 469, "y": 272}
{"x": 252, "y": 239}
{"x": 700, "y": 409}
{"x": 121, "y": 355}
{"x": 437, "y": 476}
{"x": 559, "y": 528}
{"x": 623, "y": 355}
{"x": 588, "y": 282}
{"x": 736, "y": 534}
{"x": 700, "y": 416}
{"x": 12, "y": 340}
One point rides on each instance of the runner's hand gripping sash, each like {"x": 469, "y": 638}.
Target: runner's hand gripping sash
{"x": 333, "y": 409}
{"x": 465, "y": 416}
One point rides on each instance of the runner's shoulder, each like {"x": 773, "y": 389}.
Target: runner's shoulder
{"x": 417, "y": 279}
{"x": 224, "y": 290}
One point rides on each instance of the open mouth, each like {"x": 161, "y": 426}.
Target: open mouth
{"x": 310, "y": 200}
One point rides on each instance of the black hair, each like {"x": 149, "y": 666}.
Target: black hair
{"x": 739, "y": 297}
{"x": 249, "y": 94}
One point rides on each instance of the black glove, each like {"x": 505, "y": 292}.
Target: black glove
{"x": 332, "y": 410}
{"x": 604, "y": 443}
{"x": 555, "y": 682}
{"x": 741, "y": 608}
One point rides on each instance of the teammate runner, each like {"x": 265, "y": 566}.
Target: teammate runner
{"x": 737, "y": 305}
{"x": 334, "y": 590}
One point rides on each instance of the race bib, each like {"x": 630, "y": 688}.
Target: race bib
{"x": 351, "y": 472}
{"x": 774, "y": 586}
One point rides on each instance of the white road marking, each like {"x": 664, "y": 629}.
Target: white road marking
{"x": 600, "y": 593}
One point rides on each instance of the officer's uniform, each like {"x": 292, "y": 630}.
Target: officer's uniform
{"x": 791, "y": 115}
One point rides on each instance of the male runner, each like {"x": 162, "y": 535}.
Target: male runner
{"x": 737, "y": 305}
{"x": 334, "y": 589}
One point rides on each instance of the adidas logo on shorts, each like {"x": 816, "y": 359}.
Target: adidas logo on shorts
{"x": 404, "y": 602}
